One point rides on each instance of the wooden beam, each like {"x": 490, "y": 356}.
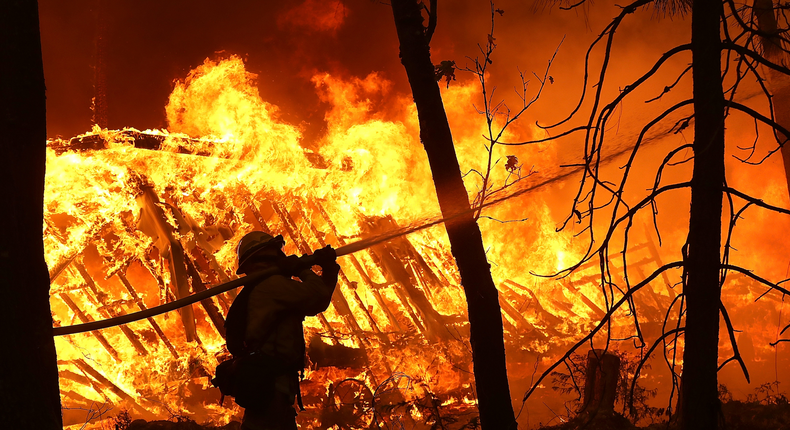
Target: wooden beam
{"x": 87, "y": 318}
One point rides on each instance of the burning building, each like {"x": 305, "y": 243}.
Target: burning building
{"x": 136, "y": 219}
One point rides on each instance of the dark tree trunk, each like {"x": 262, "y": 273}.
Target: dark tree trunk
{"x": 699, "y": 400}
{"x": 778, "y": 82}
{"x": 600, "y": 385}
{"x": 29, "y": 394}
{"x": 485, "y": 318}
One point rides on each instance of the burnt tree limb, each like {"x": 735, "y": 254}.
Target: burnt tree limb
{"x": 779, "y": 83}
{"x": 485, "y": 319}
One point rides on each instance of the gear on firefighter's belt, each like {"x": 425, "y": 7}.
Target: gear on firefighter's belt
{"x": 264, "y": 330}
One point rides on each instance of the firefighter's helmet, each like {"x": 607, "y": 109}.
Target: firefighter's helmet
{"x": 253, "y": 242}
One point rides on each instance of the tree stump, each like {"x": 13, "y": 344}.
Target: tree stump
{"x": 600, "y": 386}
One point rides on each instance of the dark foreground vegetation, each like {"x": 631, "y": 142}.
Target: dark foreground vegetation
{"x": 735, "y": 415}
{"x": 765, "y": 410}
{"x": 123, "y": 421}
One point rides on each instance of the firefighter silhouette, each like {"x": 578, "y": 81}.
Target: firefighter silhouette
{"x": 264, "y": 330}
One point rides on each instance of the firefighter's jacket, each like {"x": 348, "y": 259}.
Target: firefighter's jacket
{"x": 278, "y": 305}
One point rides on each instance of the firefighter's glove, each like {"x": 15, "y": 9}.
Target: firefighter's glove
{"x": 289, "y": 266}
{"x": 325, "y": 257}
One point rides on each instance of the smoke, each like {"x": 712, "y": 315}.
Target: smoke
{"x": 151, "y": 44}
{"x": 315, "y": 17}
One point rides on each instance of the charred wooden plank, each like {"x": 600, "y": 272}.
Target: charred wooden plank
{"x": 566, "y": 307}
{"x": 438, "y": 258}
{"x": 381, "y": 335}
{"x": 324, "y": 355}
{"x": 197, "y": 246}
{"x": 60, "y": 267}
{"x": 542, "y": 313}
{"x": 519, "y": 319}
{"x": 80, "y": 378}
{"x": 596, "y": 263}
{"x": 122, "y": 277}
{"x": 160, "y": 282}
{"x": 92, "y": 234}
{"x": 96, "y": 142}
{"x": 290, "y": 227}
{"x": 109, "y": 311}
{"x": 338, "y": 299}
{"x": 153, "y": 222}
{"x": 358, "y": 266}
{"x": 328, "y": 328}
{"x": 651, "y": 310}
{"x": 422, "y": 269}
{"x": 208, "y": 305}
{"x": 138, "y": 139}
{"x": 352, "y": 285}
{"x": 87, "y": 368}
{"x": 618, "y": 277}
{"x": 509, "y": 326}
{"x": 390, "y": 261}
{"x": 599, "y": 313}
{"x": 76, "y": 377}
{"x": 71, "y": 395}
{"x": 257, "y": 215}
{"x": 651, "y": 246}
{"x": 404, "y": 300}
{"x": 87, "y": 318}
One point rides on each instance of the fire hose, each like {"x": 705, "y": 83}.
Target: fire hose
{"x": 305, "y": 261}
